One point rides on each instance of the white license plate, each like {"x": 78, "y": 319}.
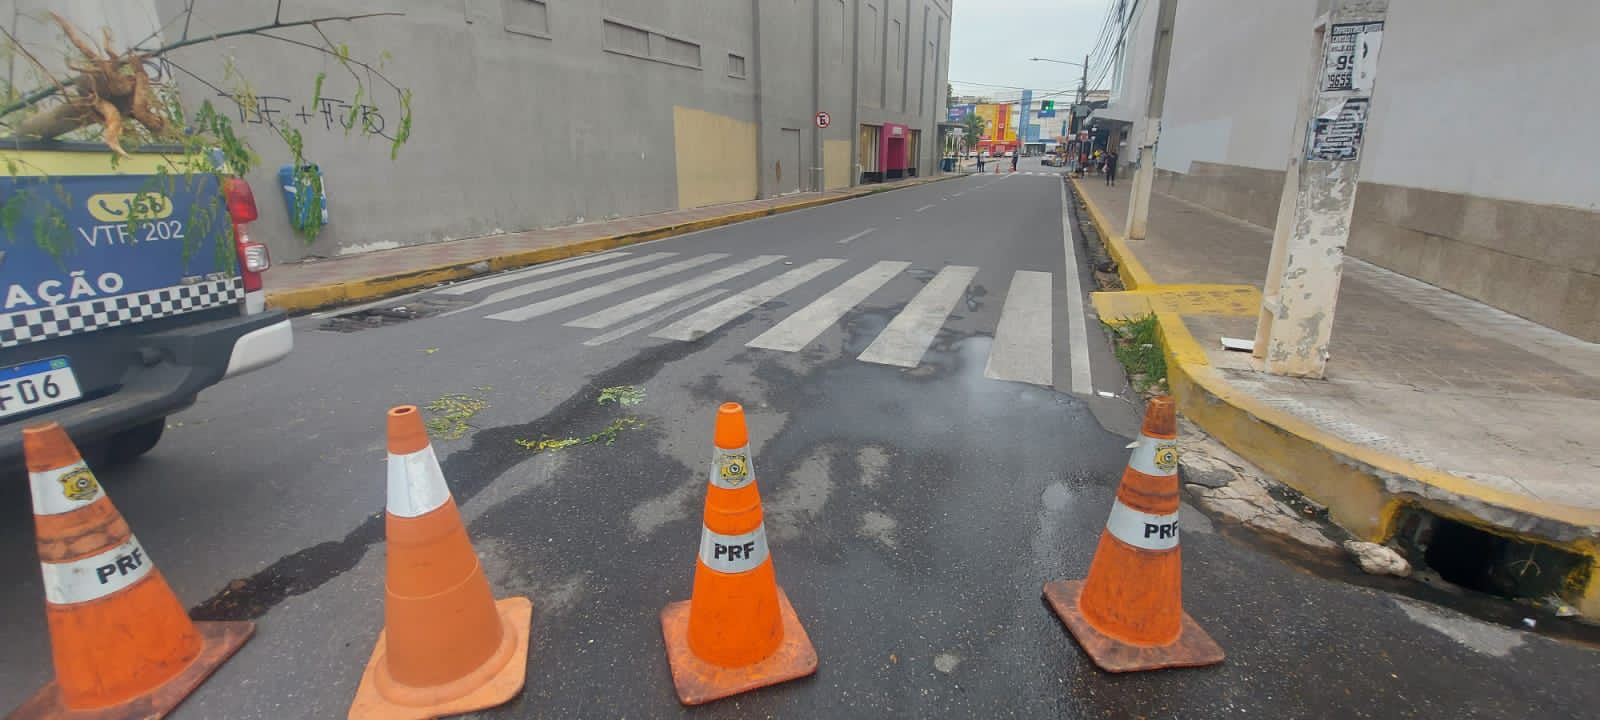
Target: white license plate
{"x": 39, "y": 384}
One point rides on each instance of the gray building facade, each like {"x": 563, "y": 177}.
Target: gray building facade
{"x": 541, "y": 113}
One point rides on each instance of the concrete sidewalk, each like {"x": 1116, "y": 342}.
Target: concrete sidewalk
{"x": 1433, "y": 402}
{"x": 306, "y": 286}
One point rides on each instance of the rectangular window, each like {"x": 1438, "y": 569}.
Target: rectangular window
{"x": 674, "y": 50}
{"x": 624, "y": 39}
{"x": 735, "y": 65}
{"x": 628, "y": 40}
{"x": 526, "y": 17}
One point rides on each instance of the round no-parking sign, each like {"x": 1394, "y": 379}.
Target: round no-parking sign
{"x": 823, "y": 119}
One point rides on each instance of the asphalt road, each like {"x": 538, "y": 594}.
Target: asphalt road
{"x": 915, "y": 503}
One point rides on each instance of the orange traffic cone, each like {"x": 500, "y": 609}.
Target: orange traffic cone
{"x": 737, "y": 632}
{"x": 1128, "y": 615}
{"x": 447, "y": 647}
{"x": 123, "y": 646}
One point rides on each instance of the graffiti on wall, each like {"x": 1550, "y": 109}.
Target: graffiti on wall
{"x": 329, "y": 113}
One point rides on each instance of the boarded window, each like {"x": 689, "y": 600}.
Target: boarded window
{"x": 625, "y": 39}
{"x": 527, "y": 17}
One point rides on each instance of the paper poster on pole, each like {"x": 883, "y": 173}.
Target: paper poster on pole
{"x": 1352, "y": 60}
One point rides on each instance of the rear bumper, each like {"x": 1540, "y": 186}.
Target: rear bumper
{"x": 182, "y": 362}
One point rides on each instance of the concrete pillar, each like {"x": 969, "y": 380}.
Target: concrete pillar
{"x": 1302, "y": 286}
{"x": 1144, "y": 176}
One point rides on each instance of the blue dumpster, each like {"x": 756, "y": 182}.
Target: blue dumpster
{"x": 947, "y": 165}
{"x": 299, "y": 203}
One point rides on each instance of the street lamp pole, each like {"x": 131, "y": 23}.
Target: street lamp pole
{"x": 1083, "y": 85}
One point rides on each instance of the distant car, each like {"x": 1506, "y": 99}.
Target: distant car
{"x": 1011, "y": 153}
{"x": 1052, "y": 161}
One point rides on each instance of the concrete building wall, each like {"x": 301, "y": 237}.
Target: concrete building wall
{"x": 541, "y": 113}
{"x": 1473, "y": 177}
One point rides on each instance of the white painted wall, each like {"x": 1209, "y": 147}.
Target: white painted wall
{"x": 1130, "y": 89}
{"x": 1495, "y": 100}
{"x": 1239, "y": 68}
{"x": 1500, "y": 100}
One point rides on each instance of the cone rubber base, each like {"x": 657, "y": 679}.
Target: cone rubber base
{"x": 219, "y": 641}
{"x": 1193, "y": 648}
{"x": 517, "y": 615}
{"x": 700, "y": 682}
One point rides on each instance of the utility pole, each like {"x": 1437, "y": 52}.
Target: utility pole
{"x": 1319, "y": 192}
{"x": 1144, "y": 176}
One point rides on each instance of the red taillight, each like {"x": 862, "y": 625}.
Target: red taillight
{"x": 253, "y": 258}
{"x": 241, "y": 201}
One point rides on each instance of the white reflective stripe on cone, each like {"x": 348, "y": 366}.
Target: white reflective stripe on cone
{"x": 96, "y": 576}
{"x": 733, "y": 554}
{"x": 730, "y": 469}
{"x": 1142, "y": 530}
{"x": 416, "y": 484}
{"x": 64, "y": 489}
{"x": 1155, "y": 456}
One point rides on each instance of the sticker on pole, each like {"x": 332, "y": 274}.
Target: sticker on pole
{"x": 733, "y": 554}
{"x": 824, "y": 119}
{"x": 1142, "y": 530}
{"x": 96, "y": 576}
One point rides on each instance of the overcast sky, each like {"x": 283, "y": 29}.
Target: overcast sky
{"x": 991, "y": 41}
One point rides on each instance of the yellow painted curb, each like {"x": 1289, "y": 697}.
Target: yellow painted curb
{"x": 1134, "y": 275}
{"x": 301, "y": 300}
{"x": 1118, "y": 306}
{"x": 1363, "y": 489}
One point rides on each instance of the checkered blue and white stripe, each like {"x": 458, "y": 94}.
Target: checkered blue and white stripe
{"x": 28, "y": 326}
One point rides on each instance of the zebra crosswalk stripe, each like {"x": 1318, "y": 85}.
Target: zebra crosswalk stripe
{"x": 655, "y": 317}
{"x": 799, "y": 329}
{"x": 1022, "y": 349}
{"x": 645, "y": 303}
{"x": 697, "y": 325}
{"x": 503, "y": 278}
{"x": 545, "y": 307}
{"x": 560, "y": 280}
{"x": 906, "y": 337}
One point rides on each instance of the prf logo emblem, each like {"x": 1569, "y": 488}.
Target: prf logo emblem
{"x": 734, "y": 468}
{"x": 79, "y": 485}
{"x": 1167, "y": 457}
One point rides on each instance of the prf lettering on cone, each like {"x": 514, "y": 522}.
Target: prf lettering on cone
{"x": 447, "y": 646}
{"x": 123, "y": 646}
{"x": 737, "y": 632}
{"x": 1128, "y": 614}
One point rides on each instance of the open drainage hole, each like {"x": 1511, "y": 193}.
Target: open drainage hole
{"x": 1479, "y": 560}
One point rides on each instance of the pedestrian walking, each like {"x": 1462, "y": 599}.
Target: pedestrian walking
{"x": 1111, "y": 168}
{"x": 1014, "y": 156}
{"x": 980, "y": 163}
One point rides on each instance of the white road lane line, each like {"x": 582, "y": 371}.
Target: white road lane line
{"x": 1077, "y": 324}
{"x": 959, "y": 194}
{"x": 799, "y": 329}
{"x": 545, "y": 307}
{"x": 1023, "y": 350}
{"x": 699, "y": 324}
{"x": 546, "y": 269}
{"x": 856, "y": 236}
{"x": 560, "y": 280}
{"x": 645, "y": 303}
{"x": 908, "y": 335}
{"x": 924, "y": 207}
{"x": 656, "y": 317}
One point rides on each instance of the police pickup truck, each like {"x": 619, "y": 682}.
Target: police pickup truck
{"x": 126, "y": 288}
